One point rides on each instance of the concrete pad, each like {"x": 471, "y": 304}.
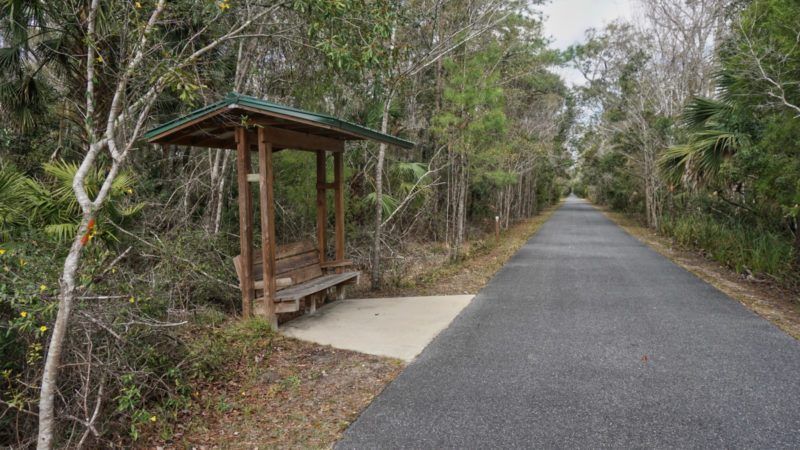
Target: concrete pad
{"x": 395, "y": 327}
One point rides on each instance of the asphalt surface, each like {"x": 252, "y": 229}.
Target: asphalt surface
{"x": 587, "y": 338}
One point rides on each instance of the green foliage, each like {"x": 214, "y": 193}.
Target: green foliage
{"x": 217, "y": 347}
{"x": 473, "y": 115}
{"x": 50, "y": 205}
{"x": 741, "y": 247}
{"x": 732, "y": 170}
{"x": 715, "y": 131}
{"x": 14, "y": 193}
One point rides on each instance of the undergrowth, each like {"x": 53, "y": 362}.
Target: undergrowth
{"x": 745, "y": 249}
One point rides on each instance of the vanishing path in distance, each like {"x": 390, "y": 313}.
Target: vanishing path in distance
{"x": 588, "y": 338}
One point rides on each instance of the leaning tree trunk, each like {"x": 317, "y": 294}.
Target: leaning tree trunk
{"x": 66, "y": 299}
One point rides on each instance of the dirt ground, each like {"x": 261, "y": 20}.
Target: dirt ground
{"x": 294, "y": 394}
{"x": 764, "y": 297}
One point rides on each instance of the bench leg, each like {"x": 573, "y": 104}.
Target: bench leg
{"x": 312, "y": 304}
{"x": 340, "y": 292}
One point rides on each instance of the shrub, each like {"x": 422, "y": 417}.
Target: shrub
{"x": 739, "y": 246}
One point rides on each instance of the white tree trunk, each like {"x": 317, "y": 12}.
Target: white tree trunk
{"x": 376, "y": 243}
{"x": 53, "y": 360}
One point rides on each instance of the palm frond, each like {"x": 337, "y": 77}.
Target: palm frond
{"x": 415, "y": 170}
{"x": 388, "y": 203}
{"x": 13, "y": 199}
{"x": 674, "y": 163}
{"x": 61, "y": 232}
{"x": 699, "y": 111}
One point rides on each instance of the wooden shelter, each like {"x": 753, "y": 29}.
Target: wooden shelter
{"x": 278, "y": 279}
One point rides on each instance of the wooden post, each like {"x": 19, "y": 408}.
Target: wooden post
{"x": 322, "y": 204}
{"x": 245, "y": 220}
{"x": 497, "y": 228}
{"x": 265, "y": 181}
{"x": 338, "y": 181}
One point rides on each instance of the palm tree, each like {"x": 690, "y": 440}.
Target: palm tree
{"x": 717, "y": 130}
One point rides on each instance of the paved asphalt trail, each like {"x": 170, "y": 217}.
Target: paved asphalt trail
{"x": 551, "y": 354}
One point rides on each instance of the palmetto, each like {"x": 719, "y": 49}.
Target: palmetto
{"x": 716, "y": 131}
{"x": 49, "y": 203}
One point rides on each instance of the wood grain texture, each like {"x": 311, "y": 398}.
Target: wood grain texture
{"x": 245, "y": 221}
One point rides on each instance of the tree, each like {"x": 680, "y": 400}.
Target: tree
{"x": 115, "y": 127}
{"x": 472, "y": 118}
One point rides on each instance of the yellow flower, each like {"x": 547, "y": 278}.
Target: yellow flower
{"x": 99, "y": 58}
{"x": 42, "y": 288}
{"x": 153, "y": 418}
{"x": 129, "y": 191}
{"x": 138, "y": 5}
{"x": 223, "y": 5}
{"x": 2, "y": 251}
{"x": 43, "y": 328}
{"x": 23, "y": 314}
{"x": 131, "y": 299}
{"x": 22, "y": 262}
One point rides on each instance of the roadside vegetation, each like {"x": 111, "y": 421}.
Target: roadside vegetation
{"x": 118, "y": 298}
{"x": 699, "y": 137}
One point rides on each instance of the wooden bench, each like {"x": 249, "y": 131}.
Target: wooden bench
{"x": 299, "y": 276}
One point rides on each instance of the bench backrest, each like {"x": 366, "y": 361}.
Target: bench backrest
{"x": 295, "y": 263}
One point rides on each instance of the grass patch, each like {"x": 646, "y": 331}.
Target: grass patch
{"x": 750, "y": 250}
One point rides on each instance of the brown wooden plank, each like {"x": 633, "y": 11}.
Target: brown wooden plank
{"x": 286, "y": 265}
{"x": 334, "y": 264}
{"x": 322, "y": 206}
{"x": 287, "y": 307}
{"x": 288, "y": 250}
{"x": 298, "y": 140}
{"x": 280, "y": 283}
{"x": 299, "y": 291}
{"x": 313, "y": 125}
{"x": 338, "y": 180}
{"x": 245, "y": 222}
{"x": 162, "y": 137}
{"x": 295, "y": 248}
{"x": 296, "y": 262}
{"x": 207, "y": 142}
{"x": 266, "y": 176}
{"x": 303, "y": 275}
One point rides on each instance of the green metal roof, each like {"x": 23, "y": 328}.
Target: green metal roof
{"x": 252, "y": 104}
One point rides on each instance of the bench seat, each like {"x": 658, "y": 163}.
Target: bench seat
{"x": 299, "y": 276}
{"x": 316, "y": 285}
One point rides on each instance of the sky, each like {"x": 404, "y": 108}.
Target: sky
{"x": 566, "y": 21}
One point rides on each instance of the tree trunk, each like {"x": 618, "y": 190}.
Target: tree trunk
{"x": 376, "y": 243}
{"x": 461, "y": 207}
{"x": 652, "y": 206}
{"x": 221, "y": 194}
{"x": 53, "y": 360}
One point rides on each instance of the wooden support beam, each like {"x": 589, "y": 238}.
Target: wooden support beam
{"x": 283, "y": 138}
{"x": 266, "y": 177}
{"x": 322, "y": 205}
{"x": 338, "y": 180}
{"x": 245, "y": 221}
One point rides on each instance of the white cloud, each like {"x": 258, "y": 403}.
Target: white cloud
{"x": 566, "y": 21}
